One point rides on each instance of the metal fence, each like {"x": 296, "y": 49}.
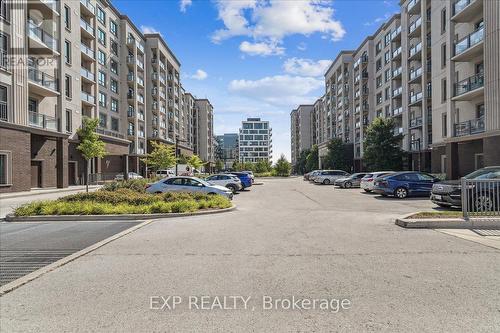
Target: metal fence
{"x": 101, "y": 178}
{"x": 480, "y": 198}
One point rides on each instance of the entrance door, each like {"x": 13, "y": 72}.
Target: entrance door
{"x": 36, "y": 174}
{"x": 71, "y": 173}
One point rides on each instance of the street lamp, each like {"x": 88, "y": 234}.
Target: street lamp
{"x": 176, "y": 152}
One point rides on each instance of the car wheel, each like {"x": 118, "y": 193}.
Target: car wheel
{"x": 401, "y": 193}
{"x": 367, "y": 191}
{"x": 483, "y": 203}
{"x": 326, "y": 181}
{"x": 231, "y": 187}
{"x": 348, "y": 185}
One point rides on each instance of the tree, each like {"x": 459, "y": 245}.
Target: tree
{"x": 312, "y": 159}
{"x": 161, "y": 157}
{"x": 300, "y": 164}
{"x": 382, "y": 149}
{"x": 336, "y": 157}
{"x": 219, "y": 165}
{"x": 91, "y": 145}
{"x": 262, "y": 166}
{"x": 282, "y": 167}
{"x": 195, "y": 162}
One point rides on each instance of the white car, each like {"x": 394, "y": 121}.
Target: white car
{"x": 131, "y": 175}
{"x": 327, "y": 177}
{"x": 164, "y": 173}
{"x": 367, "y": 182}
{"x": 230, "y": 181}
{"x": 188, "y": 184}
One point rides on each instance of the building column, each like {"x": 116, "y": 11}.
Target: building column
{"x": 452, "y": 171}
{"x": 61, "y": 163}
{"x": 125, "y": 166}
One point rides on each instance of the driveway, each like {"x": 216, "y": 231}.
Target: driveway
{"x": 287, "y": 238}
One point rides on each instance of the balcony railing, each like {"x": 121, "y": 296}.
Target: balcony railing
{"x": 88, "y": 5}
{"x": 460, "y": 5}
{"x": 470, "y": 127}
{"x": 397, "y": 111}
{"x": 87, "y": 27}
{"x": 415, "y": 145}
{"x": 415, "y": 122}
{"x": 87, "y": 97}
{"x": 397, "y": 52}
{"x": 417, "y": 97}
{"x": 87, "y": 50}
{"x": 469, "y": 41}
{"x": 4, "y": 112}
{"x": 107, "y": 132}
{"x": 42, "y": 78}
{"x": 396, "y": 32}
{"x": 397, "y": 91}
{"x": 415, "y": 49}
{"x": 469, "y": 84}
{"x": 398, "y": 130}
{"x": 87, "y": 74}
{"x": 42, "y": 35}
{"x": 415, "y": 25}
{"x": 414, "y": 73}
{"x": 412, "y": 4}
{"x": 42, "y": 121}
{"x": 4, "y": 59}
{"x": 397, "y": 72}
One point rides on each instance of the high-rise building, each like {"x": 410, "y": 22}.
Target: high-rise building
{"x": 204, "y": 134}
{"x": 228, "y": 145}
{"x": 255, "y": 143}
{"x": 76, "y": 59}
{"x": 301, "y": 130}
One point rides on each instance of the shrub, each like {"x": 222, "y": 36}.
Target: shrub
{"x": 138, "y": 185}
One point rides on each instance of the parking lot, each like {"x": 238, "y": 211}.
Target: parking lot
{"x": 286, "y": 238}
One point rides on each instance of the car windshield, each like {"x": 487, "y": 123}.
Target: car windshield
{"x": 483, "y": 173}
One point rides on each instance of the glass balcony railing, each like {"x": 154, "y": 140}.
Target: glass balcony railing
{"x": 88, "y": 5}
{"x": 417, "y": 97}
{"x": 87, "y": 97}
{"x": 4, "y": 111}
{"x": 42, "y": 121}
{"x": 397, "y": 111}
{"x": 460, "y": 5}
{"x": 469, "y": 41}
{"x": 397, "y": 72}
{"x": 470, "y": 127}
{"x": 396, "y": 32}
{"x": 397, "y": 91}
{"x": 415, "y": 49}
{"x": 469, "y": 84}
{"x": 396, "y": 52}
{"x": 415, "y": 145}
{"x": 412, "y": 4}
{"x": 87, "y": 50}
{"x": 47, "y": 39}
{"x": 42, "y": 79}
{"x": 414, "y": 73}
{"x": 87, "y": 27}
{"x": 87, "y": 74}
{"x": 415, "y": 122}
{"x": 415, "y": 25}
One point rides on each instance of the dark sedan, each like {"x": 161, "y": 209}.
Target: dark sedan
{"x": 404, "y": 184}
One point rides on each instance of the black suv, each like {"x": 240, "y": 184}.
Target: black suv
{"x": 448, "y": 193}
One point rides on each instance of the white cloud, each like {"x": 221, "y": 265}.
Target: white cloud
{"x": 381, "y": 19}
{"x": 199, "y": 75}
{"x": 184, "y": 4}
{"x": 306, "y": 67}
{"x": 302, "y": 46}
{"x": 279, "y": 90}
{"x": 262, "y": 49}
{"x": 146, "y": 29}
{"x": 273, "y": 20}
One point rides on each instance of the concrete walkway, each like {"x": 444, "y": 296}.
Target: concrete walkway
{"x": 287, "y": 238}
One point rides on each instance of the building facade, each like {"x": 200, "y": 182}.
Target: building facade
{"x": 255, "y": 142}
{"x": 432, "y": 68}
{"x": 229, "y": 148}
{"x": 204, "y": 131}
{"x": 301, "y": 130}
{"x": 65, "y": 60}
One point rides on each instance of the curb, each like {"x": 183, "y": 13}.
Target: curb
{"x": 43, "y": 218}
{"x": 447, "y": 223}
{"x": 39, "y": 272}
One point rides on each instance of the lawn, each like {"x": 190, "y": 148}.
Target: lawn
{"x": 437, "y": 215}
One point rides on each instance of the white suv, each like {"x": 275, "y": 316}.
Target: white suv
{"x": 230, "y": 181}
{"x": 327, "y": 177}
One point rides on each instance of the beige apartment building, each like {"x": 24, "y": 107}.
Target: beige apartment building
{"x": 204, "y": 136}
{"x": 302, "y": 130}
{"x": 433, "y": 68}
{"x": 63, "y": 60}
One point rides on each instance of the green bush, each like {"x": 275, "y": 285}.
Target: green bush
{"x": 138, "y": 185}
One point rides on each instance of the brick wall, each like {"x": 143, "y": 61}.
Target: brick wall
{"x": 44, "y": 149}
{"x": 18, "y": 143}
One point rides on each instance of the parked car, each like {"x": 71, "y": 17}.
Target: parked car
{"x": 404, "y": 184}
{"x": 327, "y": 177}
{"x": 245, "y": 179}
{"x": 369, "y": 179}
{"x": 353, "y": 180}
{"x": 449, "y": 193}
{"x": 250, "y": 173}
{"x": 188, "y": 184}
{"x": 131, "y": 175}
{"x": 164, "y": 173}
{"x": 229, "y": 181}
{"x": 309, "y": 174}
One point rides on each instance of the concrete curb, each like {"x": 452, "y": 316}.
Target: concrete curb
{"x": 43, "y": 218}
{"x": 41, "y": 192}
{"x": 39, "y": 272}
{"x": 447, "y": 223}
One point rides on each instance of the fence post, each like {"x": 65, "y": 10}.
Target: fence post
{"x": 465, "y": 199}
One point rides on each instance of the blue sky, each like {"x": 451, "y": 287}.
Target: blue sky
{"x": 258, "y": 58}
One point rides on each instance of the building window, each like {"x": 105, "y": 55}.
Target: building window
{"x": 114, "y": 105}
{"x": 67, "y": 52}
{"x": 443, "y": 21}
{"x": 101, "y": 37}
{"x": 387, "y": 75}
{"x": 387, "y": 57}
{"x": 4, "y": 10}
{"x": 4, "y": 115}
{"x": 101, "y": 15}
{"x": 444, "y": 96}
{"x": 387, "y": 93}
{"x": 67, "y": 17}
{"x": 101, "y": 57}
{"x": 443, "y": 55}
{"x": 67, "y": 86}
{"x": 69, "y": 121}
{"x": 115, "y": 124}
{"x": 102, "y": 99}
{"x": 444, "y": 125}
{"x": 113, "y": 28}
{"x": 113, "y": 65}
{"x": 379, "y": 81}
{"x": 379, "y": 64}
{"x": 378, "y": 48}
{"x": 387, "y": 39}
{"x": 114, "y": 47}
{"x": 101, "y": 78}
{"x": 4, "y": 48}
{"x": 5, "y": 167}
{"x": 379, "y": 98}
{"x": 114, "y": 86}
{"x": 103, "y": 120}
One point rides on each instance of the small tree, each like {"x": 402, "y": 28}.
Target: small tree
{"x": 381, "y": 146}
{"x": 300, "y": 164}
{"x": 236, "y": 166}
{"x": 219, "y": 165}
{"x": 195, "y": 162}
{"x": 312, "y": 159}
{"x": 161, "y": 157}
{"x": 336, "y": 155}
{"x": 262, "y": 166}
{"x": 282, "y": 167}
{"x": 91, "y": 145}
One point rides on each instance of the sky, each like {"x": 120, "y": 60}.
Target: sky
{"x": 258, "y": 58}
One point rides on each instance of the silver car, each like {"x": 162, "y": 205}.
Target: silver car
{"x": 367, "y": 182}
{"x": 188, "y": 184}
{"x": 353, "y": 180}
{"x": 327, "y": 177}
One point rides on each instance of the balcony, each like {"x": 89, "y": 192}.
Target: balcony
{"x": 87, "y": 98}
{"x": 87, "y": 7}
{"x": 469, "y": 88}
{"x": 42, "y": 121}
{"x": 398, "y": 130}
{"x": 140, "y": 81}
{"x": 130, "y": 77}
{"x": 397, "y": 111}
{"x": 413, "y": 7}
{"x": 4, "y": 111}
{"x": 397, "y": 53}
{"x": 415, "y": 74}
{"x": 469, "y": 127}
{"x": 42, "y": 83}
{"x": 47, "y": 7}
{"x": 104, "y": 131}
{"x": 415, "y": 98}
{"x": 415, "y": 28}
{"x": 463, "y": 10}
{"x": 415, "y": 51}
{"x": 469, "y": 47}
{"x": 396, "y": 34}
{"x": 131, "y": 112}
{"x": 87, "y": 29}
{"x": 397, "y": 73}
{"x": 416, "y": 122}
{"x": 39, "y": 39}
{"x": 130, "y": 60}
{"x": 87, "y": 75}
{"x": 87, "y": 52}
{"x": 131, "y": 132}
{"x": 130, "y": 41}
{"x": 397, "y": 92}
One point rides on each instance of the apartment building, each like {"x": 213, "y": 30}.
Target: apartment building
{"x": 302, "y": 130}
{"x": 433, "y": 68}
{"x": 63, "y": 60}
{"x": 204, "y": 131}
{"x": 255, "y": 142}
{"x": 228, "y": 144}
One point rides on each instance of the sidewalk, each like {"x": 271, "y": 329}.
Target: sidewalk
{"x": 40, "y": 191}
